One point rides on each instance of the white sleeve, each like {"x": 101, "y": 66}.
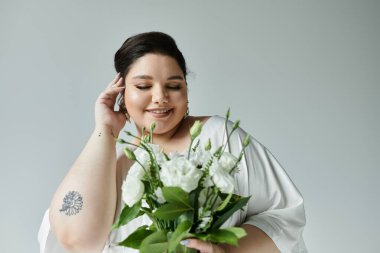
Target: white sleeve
{"x": 276, "y": 206}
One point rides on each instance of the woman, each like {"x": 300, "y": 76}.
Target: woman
{"x": 152, "y": 81}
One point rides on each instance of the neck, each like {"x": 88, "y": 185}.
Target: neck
{"x": 164, "y": 138}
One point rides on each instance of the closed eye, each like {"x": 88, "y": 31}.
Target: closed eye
{"x": 142, "y": 87}
{"x": 174, "y": 86}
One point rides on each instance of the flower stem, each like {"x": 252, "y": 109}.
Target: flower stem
{"x": 188, "y": 153}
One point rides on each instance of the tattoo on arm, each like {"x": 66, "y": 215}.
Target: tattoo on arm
{"x": 113, "y": 135}
{"x": 72, "y": 203}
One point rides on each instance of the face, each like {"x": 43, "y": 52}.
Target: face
{"x": 156, "y": 91}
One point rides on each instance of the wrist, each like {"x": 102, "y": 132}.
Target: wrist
{"x": 104, "y": 130}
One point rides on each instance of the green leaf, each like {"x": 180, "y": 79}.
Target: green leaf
{"x": 127, "y": 214}
{"x": 134, "y": 240}
{"x": 176, "y": 195}
{"x": 154, "y": 248}
{"x": 202, "y": 236}
{"x": 171, "y": 211}
{"x": 189, "y": 215}
{"x": 223, "y": 236}
{"x": 225, "y": 202}
{"x": 239, "y": 232}
{"x": 178, "y": 234}
{"x": 221, "y": 216}
{"x": 154, "y": 243}
{"x": 147, "y": 186}
{"x": 226, "y": 235}
{"x": 194, "y": 200}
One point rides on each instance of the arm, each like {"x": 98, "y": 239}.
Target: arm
{"x": 255, "y": 241}
{"x": 93, "y": 177}
{"x": 90, "y": 183}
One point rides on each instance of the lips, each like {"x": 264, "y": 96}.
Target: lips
{"x": 160, "y": 112}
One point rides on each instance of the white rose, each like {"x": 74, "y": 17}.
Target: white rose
{"x": 175, "y": 154}
{"x": 222, "y": 179}
{"x": 136, "y": 171}
{"x": 200, "y": 157}
{"x": 227, "y": 161}
{"x": 143, "y": 157}
{"x": 157, "y": 150}
{"x": 180, "y": 172}
{"x": 133, "y": 190}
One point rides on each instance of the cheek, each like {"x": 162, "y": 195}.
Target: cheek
{"x": 180, "y": 97}
{"x": 181, "y": 100}
{"x": 134, "y": 99}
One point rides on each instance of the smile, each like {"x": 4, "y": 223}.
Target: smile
{"x": 160, "y": 113}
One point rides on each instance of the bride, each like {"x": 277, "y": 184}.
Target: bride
{"x": 152, "y": 82}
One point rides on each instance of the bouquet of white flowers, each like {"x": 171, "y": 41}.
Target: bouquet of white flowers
{"x": 184, "y": 196}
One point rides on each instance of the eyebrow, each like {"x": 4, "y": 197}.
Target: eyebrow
{"x": 151, "y": 78}
{"x": 142, "y": 77}
{"x": 175, "y": 78}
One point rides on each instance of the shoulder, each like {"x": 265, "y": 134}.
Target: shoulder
{"x": 217, "y": 124}
{"x": 214, "y": 120}
{"x": 191, "y": 119}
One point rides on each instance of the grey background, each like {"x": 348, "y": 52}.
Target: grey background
{"x": 303, "y": 76}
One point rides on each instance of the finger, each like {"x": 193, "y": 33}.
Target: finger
{"x": 200, "y": 245}
{"x": 119, "y": 82}
{"x": 115, "y": 80}
{"x": 111, "y": 93}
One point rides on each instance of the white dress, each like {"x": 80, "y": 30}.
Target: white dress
{"x": 275, "y": 206}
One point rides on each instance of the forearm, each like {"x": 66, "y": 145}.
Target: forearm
{"x": 93, "y": 176}
{"x": 255, "y": 241}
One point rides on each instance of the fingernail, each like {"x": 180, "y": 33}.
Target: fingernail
{"x": 184, "y": 242}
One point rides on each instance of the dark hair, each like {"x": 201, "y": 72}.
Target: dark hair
{"x": 139, "y": 45}
{"x": 151, "y": 42}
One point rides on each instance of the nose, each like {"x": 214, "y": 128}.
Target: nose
{"x": 159, "y": 95}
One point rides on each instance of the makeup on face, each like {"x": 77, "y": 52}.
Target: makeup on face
{"x": 156, "y": 91}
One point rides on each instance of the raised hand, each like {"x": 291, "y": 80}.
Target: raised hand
{"x": 105, "y": 116}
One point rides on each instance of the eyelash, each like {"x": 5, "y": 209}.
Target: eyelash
{"x": 142, "y": 87}
{"x": 169, "y": 87}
